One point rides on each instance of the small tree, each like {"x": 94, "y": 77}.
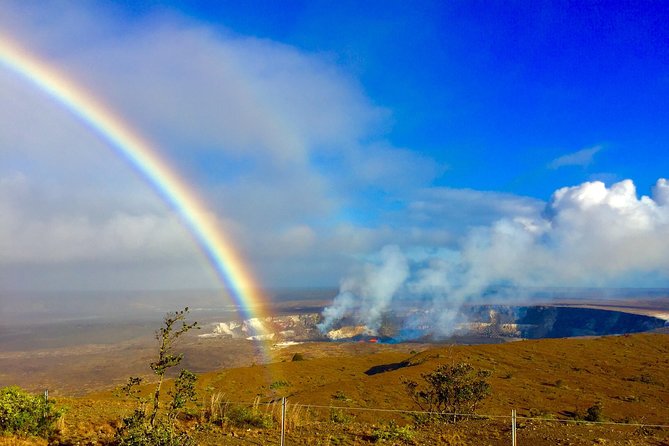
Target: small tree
{"x": 167, "y": 336}
{"x": 450, "y": 391}
{"x": 148, "y": 429}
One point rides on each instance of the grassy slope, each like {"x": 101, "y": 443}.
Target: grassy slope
{"x": 551, "y": 376}
{"x": 554, "y": 377}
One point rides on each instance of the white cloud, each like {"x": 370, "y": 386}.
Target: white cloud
{"x": 590, "y": 235}
{"x": 582, "y": 158}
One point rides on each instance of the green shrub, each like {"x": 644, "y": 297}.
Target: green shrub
{"x": 23, "y": 413}
{"x": 136, "y": 431}
{"x": 450, "y": 392}
{"x": 594, "y": 412}
{"x": 339, "y": 395}
{"x": 279, "y": 384}
{"x": 248, "y": 417}
{"x": 183, "y": 394}
{"x": 298, "y": 357}
{"x": 339, "y": 416}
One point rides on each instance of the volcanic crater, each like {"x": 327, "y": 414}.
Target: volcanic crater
{"x": 477, "y": 324}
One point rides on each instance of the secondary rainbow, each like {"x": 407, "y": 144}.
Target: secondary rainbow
{"x": 201, "y": 223}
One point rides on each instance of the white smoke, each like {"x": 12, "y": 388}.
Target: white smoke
{"x": 588, "y": 235}
{"x": 370, "y": 294}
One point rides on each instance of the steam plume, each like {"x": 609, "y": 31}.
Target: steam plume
{"x": 588, "y": 235}
{"x": 371, "y": 293}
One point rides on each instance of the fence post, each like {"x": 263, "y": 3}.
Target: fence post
{"x": 513, "y": 427}
{"x": 283, "y": 420}
{"x": 46, "y": 402}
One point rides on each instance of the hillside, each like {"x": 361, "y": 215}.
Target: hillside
{"x": 548, "y": 379}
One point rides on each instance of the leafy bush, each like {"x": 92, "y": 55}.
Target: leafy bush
{"x": 222, "y": 412}
{"x": 136, "y": 431}
{"x": 339, "y": 395}
{"x": 279, "y": 384}
{"x": 23, "y": 413}
{"x": 298, "y": 357}
{"x": 242, "y": 416}
{"x": 339, "y": 416}
{"x": 594, "y": 412}
{"x": 450, "y": 391}
{"x": 184, "y": 393}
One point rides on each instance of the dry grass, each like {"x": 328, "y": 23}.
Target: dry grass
{"x": 552, "y": 379}
{"x": 218, "y": 405}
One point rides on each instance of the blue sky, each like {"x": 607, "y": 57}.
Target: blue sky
{"x": 320, "y": 132}
{"x": 482, "y": 85}
{"x": 494, "y": 90}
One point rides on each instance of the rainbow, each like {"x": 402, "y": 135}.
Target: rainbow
{"x": 200, "y": 222}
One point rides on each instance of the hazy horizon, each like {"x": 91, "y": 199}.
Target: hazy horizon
{"x": 40, "y": 307}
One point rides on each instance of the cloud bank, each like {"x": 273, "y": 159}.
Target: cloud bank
{"x": 261, "y": 129}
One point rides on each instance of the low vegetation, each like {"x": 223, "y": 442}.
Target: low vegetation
{"x": 393, "y": 434}
{"x": 247, "y": 416}
{"x": 333, "y": 399}
{"x": 25, "y": 414}
{"x": 279, "y": 384}
{"x": 450, "y": 392}
{"x": 595, "y": 413}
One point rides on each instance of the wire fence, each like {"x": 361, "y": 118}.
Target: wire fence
{"x": 284, "y": 422}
